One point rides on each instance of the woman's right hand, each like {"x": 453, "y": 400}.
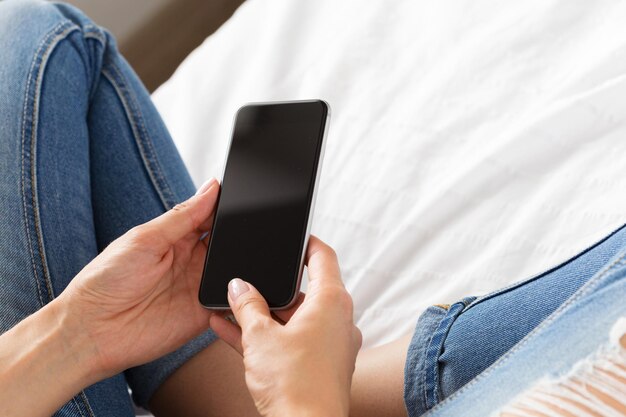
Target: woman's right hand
{"x": 303, "y": 367}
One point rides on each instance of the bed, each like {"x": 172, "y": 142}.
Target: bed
{"x": 473, "y": 143}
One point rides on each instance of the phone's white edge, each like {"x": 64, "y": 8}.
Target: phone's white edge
{"x": 313, "y": 198}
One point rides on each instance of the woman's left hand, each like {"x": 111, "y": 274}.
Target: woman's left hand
{"x": 138, "y": 300}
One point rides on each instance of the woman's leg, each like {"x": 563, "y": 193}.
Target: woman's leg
{"x": 564, "y": 349}
{"x": 84, "y": 158}
{"x": 595, "y": 385}
{"x": 452, "y": 345}
{"x": 493, "y": 324}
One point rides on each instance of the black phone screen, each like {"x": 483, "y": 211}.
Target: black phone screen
{"x": 261, "y": 223}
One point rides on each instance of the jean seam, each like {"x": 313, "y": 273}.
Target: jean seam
{"x": 588, "y": 287}
{"x": 424, "y": 378}
{"x": 77, "y": 406}
{"x": 29, "y": 160}
{"x": 412, "y": 363}
{"x": 433, "y": 351}
{"x": 94, "y": 32}
{"x": 142, "y": 140}
{"x": 541, "y": 274}
{"x": 25, "y": 208}
{"x": 87, "y": 404}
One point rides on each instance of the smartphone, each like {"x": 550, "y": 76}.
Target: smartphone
{"x": 261, "y": 226}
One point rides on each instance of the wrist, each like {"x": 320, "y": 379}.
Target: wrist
{"x": 45, "y": 357}
{"x": 68, "y": 332}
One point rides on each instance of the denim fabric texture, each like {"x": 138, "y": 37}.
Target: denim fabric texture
{"x": 435, "y": 349}
{"x": 574, "y": 332}
{"x": 85, "y": 157}
{"x": 466, "y": 340}
{"x": 415, "y": 365}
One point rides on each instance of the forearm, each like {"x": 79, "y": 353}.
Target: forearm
{"x": 44, "y": 361}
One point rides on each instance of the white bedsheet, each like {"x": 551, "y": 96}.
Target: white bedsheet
{"x": 472, "y": 142}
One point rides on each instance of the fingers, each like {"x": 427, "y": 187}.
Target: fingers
{"x": 246, "y": 303}
{"x": 322, "y": 262}
{"x": 248, "y": 306}
{"x": 227, "y": 331}
{"x": 250, "y": 310}
{"x": 285, "y": 315}
{"x": 186, "y": 217}
{"x": 358, "y": 337}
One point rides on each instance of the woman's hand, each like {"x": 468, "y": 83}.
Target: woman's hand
{"x": 303, "y": 367}
{"x": 138, "y": 300}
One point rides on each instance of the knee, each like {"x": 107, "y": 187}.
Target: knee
{"x": 22, "y": 26}
{"x": 23, "y": 22}
{"x": 19, "y": 17}
{"x": 29, "y": 29}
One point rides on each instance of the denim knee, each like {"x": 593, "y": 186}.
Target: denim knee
{"x": 23, "y": 21}
{"x": 30, "y": 30}
{"x": 23, "y": 17}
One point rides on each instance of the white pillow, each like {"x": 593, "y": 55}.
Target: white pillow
{"x": 472, "y": 142}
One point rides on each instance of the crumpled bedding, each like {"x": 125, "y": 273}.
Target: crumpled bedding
{"x": 473, "y": 143}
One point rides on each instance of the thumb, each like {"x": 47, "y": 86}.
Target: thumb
{"x": 186, "y": 217}
{"x": 247, "y": 304}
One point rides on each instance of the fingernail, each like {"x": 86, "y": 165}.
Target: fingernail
{"x": 236, "y": 287}
{"x": 205, "y": 187}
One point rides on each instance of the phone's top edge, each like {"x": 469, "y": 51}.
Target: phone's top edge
{"x": 269, "y": 103}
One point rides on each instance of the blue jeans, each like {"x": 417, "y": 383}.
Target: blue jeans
{"x": 460, "y": 359}
{"x": 84, "y": 157}
{"x": 567, "y": 337}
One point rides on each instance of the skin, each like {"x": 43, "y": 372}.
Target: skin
{"x": 133, "y": 303}
{"x": 377, "y": 384}
{"x": 138, "y": 301}
{"x": 318, "y": 339}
